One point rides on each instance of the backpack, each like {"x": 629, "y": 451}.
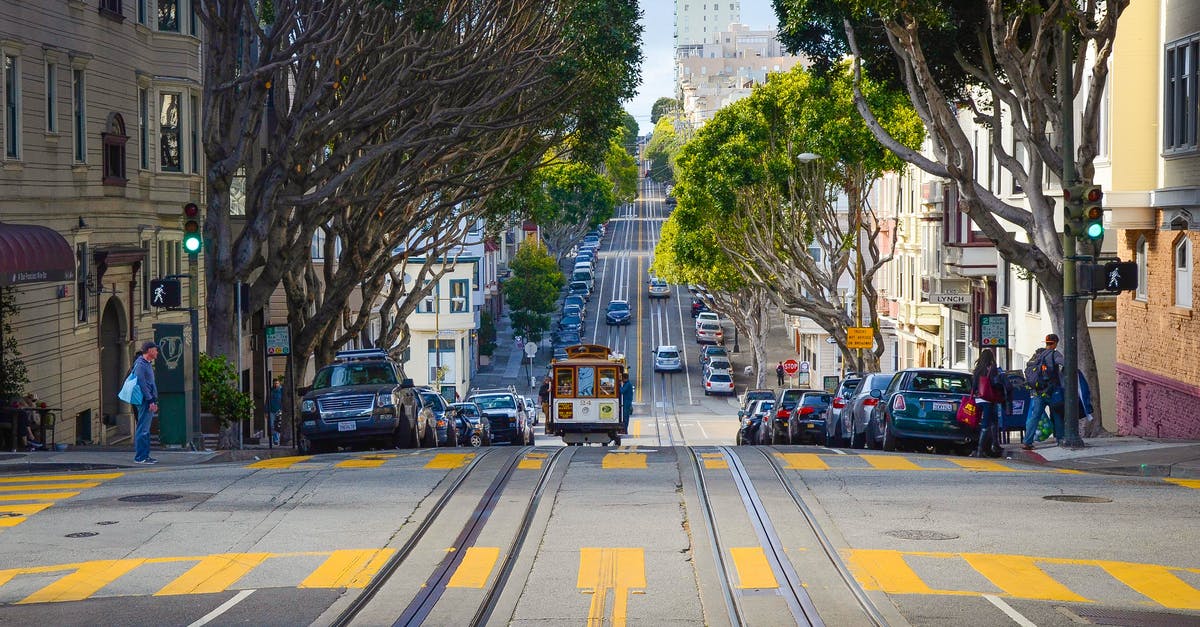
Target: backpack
{"x": 1041, "y": 372}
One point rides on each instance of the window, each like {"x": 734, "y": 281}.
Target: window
{"x": 81, "y": 277}
{"x": 317, "y": 250}
{"x": 1103, "y": 309}
{"x": 1179, "y": 99}
{"x": 141, "y": 12}
{"x": 170, "y": 159}
{"x": 194, "y": 129}
{"x": 144, "y": 128}
{"x": 170, "y": 259}
{"x": 441, "y": 360}
{"x": 460, "y": 296}
{"x": 429, "y": 303}
{"x": 51, "y": 98}
{"x": 1033, "y": 296}
{"x": 79, "y": 114}
{"x": 1006, "y": 286}
{"x": 114, "y": 150}
{"x": 146, "y": 276}
{"x": 168, "y": 15}
{"x": 1142, "y": 274}
{"x": 192, "y": 19}
{"x": 1183, "y": 272}
{"x": 12, "y": 107}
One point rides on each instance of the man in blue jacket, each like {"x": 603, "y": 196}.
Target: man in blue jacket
{"x": 143, "y": 369}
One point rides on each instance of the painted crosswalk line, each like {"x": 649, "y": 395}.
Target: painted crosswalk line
{"x": 280, "y": 462}
{"x": 449, "y": 461}
{"x": 22, "y": 497}
{"x": 373, "y": 460}
{"x": 475, "y": 568}
{"x": 623, "y": 460}
{"x": 753, "y": 569}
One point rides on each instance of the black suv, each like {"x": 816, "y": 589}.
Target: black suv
{"x": 506, "y": 413}
{"x": 360, "y": 398}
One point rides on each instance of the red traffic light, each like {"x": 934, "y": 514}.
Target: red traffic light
{"x": 1095, "y": 212}
{"x": 1094, "y": 194}
{"x": 191, "y": 210}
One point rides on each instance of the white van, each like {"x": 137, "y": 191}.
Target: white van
{"x": 583, "y": 274}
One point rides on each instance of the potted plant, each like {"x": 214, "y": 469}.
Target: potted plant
{"x": 220, "y": 397}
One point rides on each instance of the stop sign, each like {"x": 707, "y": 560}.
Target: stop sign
{"x": 791, "y": 367}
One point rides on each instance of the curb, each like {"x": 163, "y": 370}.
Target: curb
{"x": 243, "y": 455}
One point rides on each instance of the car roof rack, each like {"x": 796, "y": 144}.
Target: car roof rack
{"x": 361, "y": 354}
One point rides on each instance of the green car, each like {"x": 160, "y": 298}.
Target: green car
{"x": 921, "y": 407}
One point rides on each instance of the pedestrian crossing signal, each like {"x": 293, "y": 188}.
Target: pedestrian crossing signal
{"x": 165, "y": 293}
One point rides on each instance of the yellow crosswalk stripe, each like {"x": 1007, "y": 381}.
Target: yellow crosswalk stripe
{"x": 42, "y": 488}
{"x": 448, "y": 461}
{"x": 803, "y": 461}
{"x": 214, "y": 573}
{"x": 890, "y": 462}
{"x": 887, "y": 571}
{"x": 753, "y": 569}
{"x": 15, "y": 514}
{"x": 981, "y": 465}
{"x": 348, "y": 569}
{"x": 531, "y": 461}
{"x": 87, "y": 579}
{"x": 56, "y": 486}
{"x": 1156, "y": 583}
{"x": 37, "y": 496}
{"x": 68, "y": 478}
{"x": 280, "y": 462}
{"x": 626, "y": 461}
{"x": 1187, "y": 483}
{"x": 1019, "y": 576}
{"x": 621, "y": 570}
{"x": 375, "y": 460}
{"x": 475, "y": 568}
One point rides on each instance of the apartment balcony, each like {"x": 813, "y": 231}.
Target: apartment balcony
{"x": 428, "y": 322}
{"x": 971, "y": 260}
{"x": 924, "y": 315}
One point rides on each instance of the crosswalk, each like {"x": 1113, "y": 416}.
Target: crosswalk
{"x": 22, "y": 497}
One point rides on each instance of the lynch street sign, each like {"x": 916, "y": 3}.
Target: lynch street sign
{"x": 950, "y": 299}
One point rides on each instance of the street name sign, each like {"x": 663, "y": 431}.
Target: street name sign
{"x": 279, "y": 340}
{"x": 950, "y": 299}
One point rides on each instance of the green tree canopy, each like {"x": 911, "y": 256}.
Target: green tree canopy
{"x": 532, "y": 290}
{"x": 663, "y": 147}
{"x": 661, "y": 107}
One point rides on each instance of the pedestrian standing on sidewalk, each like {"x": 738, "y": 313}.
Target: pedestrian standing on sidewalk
{"x": 779, "y": 373}
{"x": 1044, "y": 377}
{"x": 275, "y": 408}
{"x": 143, "y": 369}
{"x": 987, "y": 384}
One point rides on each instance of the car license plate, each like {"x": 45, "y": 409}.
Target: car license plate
{"x": 811, "y": 425}
{"x": 942, "y": 406}
{"x": 347, "y": 425}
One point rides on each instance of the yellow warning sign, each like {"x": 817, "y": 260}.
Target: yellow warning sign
{"x": 860, "y": 337}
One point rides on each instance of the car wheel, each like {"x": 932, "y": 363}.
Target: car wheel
{"x": 476, "y": 440}
{"x": 858, "y": 440}
{"x": 304, "y": 447}
{"x": 430, "y": 439}
{"x": 777, "y": 438}
{"x": 889, "y": 437}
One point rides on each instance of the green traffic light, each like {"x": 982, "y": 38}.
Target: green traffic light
{"x": 1095, "y": 230}
{"x": 191, "y": 244}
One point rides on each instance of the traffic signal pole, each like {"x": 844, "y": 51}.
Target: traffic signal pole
{"x": 1070, "y": 180}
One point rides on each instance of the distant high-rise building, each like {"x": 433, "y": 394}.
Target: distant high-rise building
{"x": 699, "y": 23}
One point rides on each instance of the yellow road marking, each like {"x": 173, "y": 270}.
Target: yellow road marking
{"x": 753, "y": 569}
{"x": 635, "y": 429}
{"x": 280, "y": 462}
{"x": 715, "y": 464}
{"x": 529, "y": 462}
{"x": 1187, "y": 483}
{"x": 887, "y": 571}
{"x": 57, "y": 486}
{"x": 72, "y": 478}
{"x": 803, "y": 461}
{"x": 1018, "y": 576}
{"x": 447, "y": 461}
{"x": 21, "y": 510}
{"x": 348, "y": 569}
{"x": 623, "y": 460}
{"x": 214, "y": 573}
{"x": 88, "y": 579}
{"x": 1156, "y": 583}
{"x": 890, "y": 462}
{"x": 475, "y": 568}
{"x": 374, "y": 460}
{"x": 622, "y": 570}
{"x": 38, "y": 496}
{"x": 981, "y": 465}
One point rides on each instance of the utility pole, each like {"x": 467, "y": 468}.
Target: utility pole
{"x": 1070, "y": 180}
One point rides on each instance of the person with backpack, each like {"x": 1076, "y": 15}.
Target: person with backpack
{"x": 987, "y": 384}
{"x": 1043, "y": 377}
{"x": 779, "y": 373}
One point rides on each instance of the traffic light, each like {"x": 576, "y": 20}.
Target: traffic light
{"x": 1092, "y": 213}
{"x": 1073, "y": 209}
{"x": 192, "y": 241}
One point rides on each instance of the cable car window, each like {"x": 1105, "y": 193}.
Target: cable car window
{"x": 564, "y": 382}
{"x": 608, "y": 382}
{"x": 587, "y": 381}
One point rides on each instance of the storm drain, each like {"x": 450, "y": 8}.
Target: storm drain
{"x": 81, "y": 534}
{"x": 10, "y": 514}
{"x": 919, "y": 534}
{"x": 1077, "y": 498}
{"x": 1133, "y": 618}
{"x": 148, "y": 498}
{"x": 107, "y": 522}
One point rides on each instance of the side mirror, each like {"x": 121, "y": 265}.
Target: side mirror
{"x": 741, "y": 413}
{"x": 406, "y": 383}
{"x": 876, "y": 394}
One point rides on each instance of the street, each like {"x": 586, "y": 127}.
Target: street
{"x": 677, "y": 526}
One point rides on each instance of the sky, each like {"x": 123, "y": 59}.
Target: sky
{"x": 658, "y": 50}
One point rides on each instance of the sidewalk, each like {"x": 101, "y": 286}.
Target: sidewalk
{"x": 509, "y": 365}
{"x": 1118, "y": 455}
{"x": 121, "y": 457}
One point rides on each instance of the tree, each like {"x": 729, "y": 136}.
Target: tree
{"x": 629, "y": 133}
{"x": 621, "y": 171}
{"x": 13, "y": 375}
{"x": 661, "y": 107}
{"x": 743, "y": 195}
{"x": 220, "y": 396}
{"x": 993, "y": 64}
{"x": 532, "y": 290}
{"x": 662, "y": 148}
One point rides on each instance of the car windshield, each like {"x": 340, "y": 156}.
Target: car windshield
{"x": 579, "y": 285}
{"x": 790, "y": 397}
{"x": 572, "y": 310}
{"x": 668, "y": 354}
{"x": 720, "y": 378}
{"x": 494, "y": 401}
{"x": 571, "y": 320}
{"x": 848, "y": 386}
{"x": 615, "y": 306}
{"x": 338, "y": 375}
{"x": 719, "y": 364}
{"x": 880, "y": 382}
{"x": 467, "y": 410}
{"x": 434, "y": 400}
{"x": 948, "y": 382}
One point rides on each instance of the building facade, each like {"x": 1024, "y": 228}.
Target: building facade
{"x": 698, "y": 23}
{"x": 99, "y": 143}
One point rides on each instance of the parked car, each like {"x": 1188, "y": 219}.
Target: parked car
{"x": 534, "y": 410}
{"x": 505, "y": 411}
{"x": 758, "y": 394}
{"x": 573, "y": 310}
{"x": 574, "y": 299}
{"x": 698, "y": 306}
{"x": 807, "y": 422}
{"x": 659, "y": 289}
{"x": 566, "y": 338}
{"x": 709, "y": 352}
{"x": 580, "y": 288}
{"x": 709, "y": 333}
{"x": 667, "y": 359}
{"x": 749, "y": 431}
{"x": 860, "y": 405}
{"x": 570, "y": 323}
{"x": 707, "y": 316}
{"x": 473, "y": 430}
{"x": 719, "y": 364}
{"x": 360, "y": 398}
{"x": 618, "y": 312}
{"x": 835, "y": 431}
{"x": 718, "y": 383}
{"x": 920, "y": 405}
{"x": 786, "y": 402}
{"x": 447, "y": 431}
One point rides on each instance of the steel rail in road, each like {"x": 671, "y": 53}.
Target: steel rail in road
{"x": 714, "y": 542}
{"x": 831, "y": 552}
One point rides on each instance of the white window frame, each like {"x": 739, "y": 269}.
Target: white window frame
{"x": 1179, "y": 132}
{"x": 179, "y": 128}
{"x": 179, "y": 16}
{"x": 1183, "y": 262}
{"x": 11, "y": 152}
{"x": 79, "y": 152}
{"x": 1142, "y": 292}
{"x": 144, "y": 128}
{"x": 51, "y": 90}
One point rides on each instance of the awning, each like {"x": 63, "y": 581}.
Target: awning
{"x": 34, "y": 254}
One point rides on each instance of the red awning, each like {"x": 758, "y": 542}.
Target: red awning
{"x": 34, "y": 254}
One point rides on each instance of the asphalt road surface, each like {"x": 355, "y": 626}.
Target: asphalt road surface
{"x": 676, "y": 527}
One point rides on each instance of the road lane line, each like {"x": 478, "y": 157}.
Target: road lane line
{"x": 88, "y": 579}
{"x": 622, "y": 570}
{"x": 475, "y": 568}
{"x": 753, "y": 569}
{"x": 981, "y": 465}
{"x": 624, "y": 461}
{"x": 1019, "y": 576}
{"x": 1008, "y": 610}
{"x": 890, "y": 462}
{"x": 214, "y": 573}
{"x": 280, "y": 462}
{"x": 803, "y": 461}
{"x": 222, "y": 608}
{"x": 641, "y": 323}
{"x": 449, "y": 461}
{"x": 1156, "y": 583}
{"x": 350, "y": 568}
{"x": 1187, "y": 483}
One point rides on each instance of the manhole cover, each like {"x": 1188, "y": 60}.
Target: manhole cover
{"x": 148, "y": 498}
{"x": 1132, "y": 618}
{"x": 11, "y": 514}
{"x": 82, "y": 534}
{"x": 107, "y": 522}
{"x": 920, "y": 534}
{"x": 1077, "y": 498}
